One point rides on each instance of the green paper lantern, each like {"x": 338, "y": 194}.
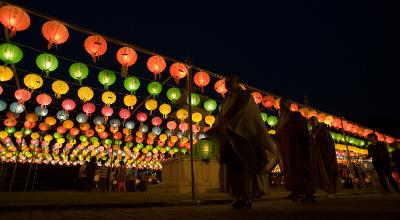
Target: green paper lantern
{"x": 205, "y": 149}
{"x": 173, "y": 94}
{"x": 154, "y": 88}
{"x": 47, "y": 62}
{"x": 83, "y": 138}
{"x": 79, "y": 71}
{"x": 210, "y": 105}
{"x": 57, "y": 135}
{"x": 27, "y": 131}
{"x": 10, "y": 53}
{"x": 131, "y": 84}
{"x": 10, "y": 130}
{"x": 195, "y": 99}
{"x": 107, "y": 78}
{"x": 108, "y": 141}
{"x": 264, "y": 116}
{"x": 272, "y": 120}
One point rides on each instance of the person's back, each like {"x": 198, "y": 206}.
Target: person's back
{"x": 380, "y": 155}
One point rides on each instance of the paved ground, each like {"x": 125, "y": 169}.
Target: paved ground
{"x": 345, "y": 207}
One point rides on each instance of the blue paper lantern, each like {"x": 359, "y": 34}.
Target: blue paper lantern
{"x": 17, "y": 107}
{"x": 99, "y": 120}
{"x": 41, "y": 111}
{"x": 81, "y": 118}
{"x": 115, "y": 123}
{"x": 130, "y": 125}
{"x": 62, "y": 115}
{"x": 3, "y": 105}
{"x": 144, "y": 128}
{"x": 156, "y": 130}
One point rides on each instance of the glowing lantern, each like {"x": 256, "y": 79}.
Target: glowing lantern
{"x": 277, "y": 103}
{"x": 196, "y": 117}
{"x": 141, "y": 116}
{"x": 33, "y": 81}
{"x": 220, "y": 87}
{"x": 173, "y": 94}
{"x": 43, "y": 99}
{"x": 81, "y": 118}
{"x": 107, "y": 78}
{"x": 62, "y": 115}
{"x": 126, "y": 56}
{"x": 88, "y": 108}
{"x": 154, "y": 88}
{"x": 5, "y": 73}
{"x": 165, "y": 109}
{"x": 68, "y": 124}
{"x": 115, "y": 123}
{"x": 29, "y": 125}
{"x": 60, "y": 88}
{"x": 182, "y": 114}
{"x": 328, "y": 120}
{"x": 268, "y": 101}
{"x": 85, "y": 94}
{"x": 156, "y": 121}
{"x": 10, "y": 54}
{"x": 107, "y": 112}
{"x": 99, "y": 120}
{"x": 50, "y": 121}
{"x": 178, "y": 71}
{"x": 264, "y": 116}
{"x": 78, "y": 71}
{"x": 14, "y": 19}
{"x": 205, "y": 149}
{"x": 41, "y": 111}
{"x": 44, "y": 127}
{"x": 257, "y": 97}
{"x": 210, "y": 120}
{"x": 321, "y": 117}
{"x": 131, "y": 84}
{"x": 130, "y": 101}
{"x": 68, "y": 105}
{"x": 156, "y": 64}
{"x": 312, "y": 113}
{"x": 130, "y": 125}
{"x": 201, "y": 79}
{"x": 10, "y": 122}
{"x": 74, "y": 131}
{"x": 22, "y": 95}
{"x": 304, "y": 112}
{"x": 108, "y": 98}
{"x": 272, "y": 120}
{"x": 124, "y": 114}
{"x": 210, "y": 105}
{"x": 55, "y": 33}
{"x": 294, "y": 107}
{"x": 3, "y": 105}
{"x": 171, "y": 125}
{"x": 195, "y": 99}
{"x": 96, "y": 46}
{"x": 151, "y": 105}
{"x": 183, "y": 127}
{"x": 47, "y": 62}
{"x": 31, "y": 117}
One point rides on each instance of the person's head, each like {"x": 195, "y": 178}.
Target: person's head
{"x": 93, "y": 159}
{"x": 103, "y": 162}
{"x": 373, "y": 138}
{"x": 232, "y": 82}
{"x": 121, "y": 163}
{"x": 284, "y": 104}
{"x": 314, "y": 121}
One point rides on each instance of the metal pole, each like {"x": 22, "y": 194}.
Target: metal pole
{"x": 34, "y": 177}
{"x": 189, "y": 86}
{"x": 349, "y": 159}
{"x": 27, "y": 178}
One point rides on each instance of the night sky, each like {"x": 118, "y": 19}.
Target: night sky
{"x": 342, "y": 56}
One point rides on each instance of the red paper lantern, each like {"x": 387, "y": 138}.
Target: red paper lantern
{"x": 68, "y": 105}
{"x": 55, "y": 33}
{"x": 220, "y": 87}
{"x": 96, "y": 46}
{"x": 268, "y": 101}
{"x": 107, "y": 112}
{"x": 257, "y": 97}
{"x": 183, "y": 127}
{"x": 178, "y": 71}
{"x": 74, "y": 131}
{"x": 10, "y": 122}
{"x": 138, "y": 140}
{"x": 124, "y": 114}
{"x": 103, "y": 135}
{"x": 29, "y": 124}
{"x": 1, "y": 90}
{"x": 22, "y": 95}
{"x": 195, "y": 128}
{"x": 88, "y": 108}
{"x": 14, "y": 19}
{"x": 89, "y": 133}
{"x": 126, "y": 56}
{"x": 201, "y": 79}
{"x": 156, "y": 64}
{"x": 43, "y": 99}
{"x": 171, "y": 125}
{"x": 44, "y": 127}
{"x": 61, "y": 129}
{"x": 150, "y": 141}
{"x": 294, "y": 107}
{"x": 141, "y": 116}
{"x": 118, "y": 135}
{"x": 156, "y": 121}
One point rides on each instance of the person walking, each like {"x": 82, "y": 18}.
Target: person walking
{"x": 82, "y": 178}
{"x": 121, "y": 177}
{"x": 90, "y": 173}
{"x": 102, "y": 171}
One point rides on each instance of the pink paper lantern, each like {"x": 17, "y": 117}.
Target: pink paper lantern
{"x": 68, "y": 105}
{"x": 141, "y": 116}
{"x": 171, "y": 125}
{"x": 43, "y": 99}
{"x": 124, "y": 114}
{"x": 88, "y": 108}
{"x": 22, "y": 95}
{"x": 156, "y": 121}
{"x": 183, "y": 127}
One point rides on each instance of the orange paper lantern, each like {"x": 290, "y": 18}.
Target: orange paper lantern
{"x": 14, "y": 19}
{"x": 201, "y": 79}
{"x": 126, "y": 56}
{"x": 55, "y": 33}
{"x": 178, "y": 71}
{"x": 220, "y": 87}
{"x": 156, "y": 64}
{"x": 96, "y": 46}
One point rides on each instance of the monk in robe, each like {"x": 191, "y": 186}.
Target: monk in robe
{"x": 323, "y": 158}
{"x": 245, "y": 143}
{"x": 294, "y": 150}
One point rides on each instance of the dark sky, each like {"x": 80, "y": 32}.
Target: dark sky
{"x": 342, "y": 55}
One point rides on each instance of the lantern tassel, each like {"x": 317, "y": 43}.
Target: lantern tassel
{"x": 49, "y": 45}
{"x": 124, "y": 71}
{"x": 94, "y": 58}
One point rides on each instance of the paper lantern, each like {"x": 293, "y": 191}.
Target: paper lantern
{"x": 74, "y": 131}
{"x": 171, "y": 125}
{"x": 141, "y": 116}
{"x": 328, "y": 120}
{"x": 68, "y": 105}
{"x": 88, "y": 108}
{"x": 41, "y": 111}
{"x": 1, "y": 90}
{"x": 22, "y": 95}
{"x": 195, "y": 99}
{"x": 55, "y": 33}
{"x": 107, "y": 78}
{"x": 210, "y": 120}
{"x": 277, "y": 104}
{"x": 44, "y": 127}
{"x": 205, "y": 149}
{"x": 81, "y": 118}
{"x": 131, "y": 84}
{"x": 68, "y": 124}
{"x": 5, "y": 73}
{"x": 33, "y": 81}
{"x": 126, "y": 56}
{"x": 96, "y": 46}
{"x": 85, "y": 94}
{"x": 14, "y": 19}
{"x": 173, "y": 94}
{"x": 178, "y": 71}
{"x": 268, "y": 101}
{"x": 10, "y": 122}
{"x": 182, "y": 114}
{"x": 312, "y": 113}
{"x": 29, "y": 125}
{"x": 130, "y": 101}
{"x": 183, "y": 126}
{"x": 201, "y": 79}
{"x": 124, "y": 114}
{"x": 196, "y": 117}
{"x": 108, "y": 98}
{"x": 107, "y": 112}
{"x": 50, "y": 121}
{"x": 43, "y": 99}
{"x": 294, "y": 107}
{"x": 99, "y": 120}
{"x": 220, "y": 87}
{"x": 156, "y": 64}
{"x": 3, "y": 105}
{"x": 321, "y": 117}
{"x": 210, "y": 105}
{"x": 154, "y": 88}
{"x": 130, "y": 125}
{"x": 156, "y": 121}
{"x": 115, "y": 123}
{"x": 62, "y": 115}
{"x": 304, "y": 112}
{"x": 10, "y": 53}
{"x": 257, "y": 97}
{"x": 151, "y": 105}
{"x": 47, "y": 62}
{"x": 78, "y": 71}
{"x": 272, "y": 120}
{"x": 165, "y": 109}
{"x": 31, "y": 117}
{"x": 60, "y": 88}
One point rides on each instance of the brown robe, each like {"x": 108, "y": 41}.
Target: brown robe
{"x": 323, "y": 160}
{"x": 294, "y": 150}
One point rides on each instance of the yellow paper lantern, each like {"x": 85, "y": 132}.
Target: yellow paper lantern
{"x": 3, "y": 134}
{"x": 5, "y": 73}
{"x": 163, "y": 137}
{"x": 85, "y": 93}
{"x": 139, "y": 134}
{"x": 50, "y": 121}
{"x": 182, "y": 114}
{"x": 68, "y": 124}
{"x": 60, "y": 88}
{"x": 151, "y": 135}
{"x": 210, "y": 120}
{"x": 60, "y": 140}
{"x": 130, "y": 101}
{"x": 196, "y": 117}
{"x": 48, "y": 138}
{"x": 108, "y": 98}
{"x": 151, "y": 105}
{"x": 174, "y": 139}
{"x": 165, "y": 109}
{"x": 33, "y": 81}
{"x": 18, "y": 134}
